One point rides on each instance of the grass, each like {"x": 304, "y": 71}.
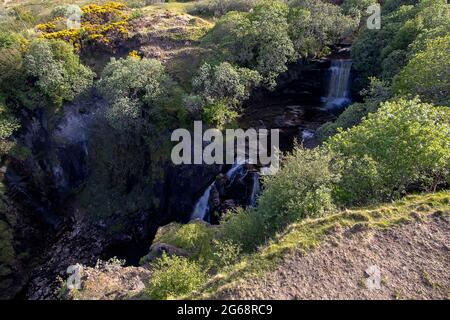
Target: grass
{"x": 308, "y": 234}
{"x": 179, "y": 7}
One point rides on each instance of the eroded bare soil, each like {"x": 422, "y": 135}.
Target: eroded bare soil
{"x": 413, "y": 259}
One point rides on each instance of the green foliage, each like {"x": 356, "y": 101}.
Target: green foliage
{"x": 427, "y": 74}
{"x": 173, "y": 277}
{"x": 244, "y": 227}
{"x": 219, "y": 8}
{"x": 57, "y": 70}
{"x": 302, "y": 188}
{"x": 219, "y": 114}
{"x": 225, "y": 82}
{"x": 194, "y": 237}
{"x": 378, "y": 92}
{"x": 8, "y": 125}
{"x": 258, "y": 39}
{"x": 274, "y": 34}
{"x": 226, "y": 253}
{"x": 138, "y": 79}
{"x": 404, "y": 145}
{"x": 315, "y": 25}
{"x": 7, "y": 39}
{"x": 132, "y": 86}
{"x": 220, "y": 90}
{"x": 405, "y": 31}
{"x": 357, "y": 7}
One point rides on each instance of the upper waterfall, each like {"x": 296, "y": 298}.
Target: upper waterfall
{"x": 339, "y": 85}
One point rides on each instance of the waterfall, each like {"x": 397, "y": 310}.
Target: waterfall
{"x": 339, "y": 87}
{"x": 202, "y": 208}
{"x": 256, "y": 190}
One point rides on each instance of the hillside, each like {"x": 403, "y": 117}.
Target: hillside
{"x": 324, "y": 258}
{"x": 224, "y": 149}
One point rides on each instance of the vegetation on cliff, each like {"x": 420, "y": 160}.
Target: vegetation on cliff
{"x": 159, "y": 67}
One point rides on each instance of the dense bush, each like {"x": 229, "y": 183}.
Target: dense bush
{"x": 404, "y": 145}
{"x": 57, "y": 71}
{"x": 274, "y": 34}
{"x": 258, "y": 40}
{"x": 218, "y": 8}
{"x": 195, "y": 237}
{"x": 220, "y": 90}
{"x": 225, "y": 82}
{"x": 404, "y": 32}
{"x": 173, "y": 277}
{"x": 303, "y": 188}
{"x": 245, "y": 227}
{"x": 104, "y": 25}
{"x": 315, "y": 25}
{"x": 129, "y": 85}
{"x": 8, "y": 125}
{"x": 427, "y": 74}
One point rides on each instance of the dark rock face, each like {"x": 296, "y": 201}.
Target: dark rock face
{"x": 44, "y": 190}
{"x": 54, "y": 228}
{"x": 182, "y": 187}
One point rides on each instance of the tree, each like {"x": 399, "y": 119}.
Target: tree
{"x": 404, "y": 145}
{"x": 132, "y": 86}
{"x": 427, "y": 74}
{"x": 225, "y": 82}
{"x": 315, "y": 25}
{"x": 56, "y": 70}
{"x": 258, "y": 40}
{"x": 220, "y": 90}
{"x": 301, "y": 189}
{"x": 137, "y": 79}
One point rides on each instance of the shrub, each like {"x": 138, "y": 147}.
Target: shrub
{"x": 225, "y": 82}
{"x": 137, "y": 79}
{"x": 173, "y": 277}
{"x": 404, "y": 145}
{"x": 218, "y": 8}
{"x": 258, "y": 39}
{"x": 244, "y": 227}
{"x": 57, "y": 71}
{"x": 195, "y": 237}
{"x": 226, "y": 253}
{"x": 427, "y": 74}
{"x": 103, "y": 25}
{"x": 8, "y": 125}
{"x": 406, "y": 28}
{"x": 302, "y": 188}
{"x": 315, "y": 25}
{"x": 219, "y": 114}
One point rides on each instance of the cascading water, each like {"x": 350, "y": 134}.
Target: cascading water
{"x": 256, "y": 190}
{"x": 202, "y": 207}
{"x": 339, "y": 87}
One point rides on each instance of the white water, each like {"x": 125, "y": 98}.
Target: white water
{"x": 256, "y": 189}
{"x": 202, "y": 208}
{"x": 339, "y": 87}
